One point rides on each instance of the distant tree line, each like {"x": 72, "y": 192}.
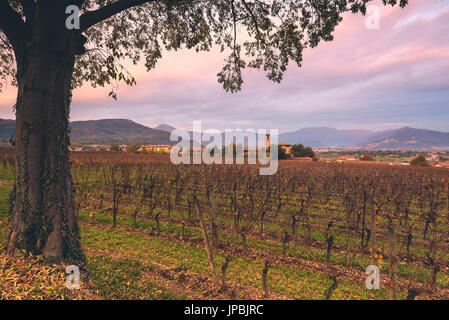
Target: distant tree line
{"x": 299, "y": 150}
{"x": 366, "y": 157}
{"x": 420, "y": 161}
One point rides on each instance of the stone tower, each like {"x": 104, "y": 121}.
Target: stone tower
{"x": 267, "y": 142}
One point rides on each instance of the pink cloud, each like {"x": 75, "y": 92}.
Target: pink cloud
{"x": 354, "y": 72}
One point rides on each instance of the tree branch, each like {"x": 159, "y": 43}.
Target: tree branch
{"x": 91, "y": 18}
{"x": 256, "y": 25}
{"x": 12, "y": 24}
{"x": 234, "y": 18}
{"x": 28, "y": 7}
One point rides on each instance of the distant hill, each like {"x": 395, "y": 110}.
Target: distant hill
{"x": 165, "y": 127}
{"x": 168, "y": 128}
{"x": 407, "y": 139}
{"x": 119, "y": 131}
{"x": 123, "y": 131}
{"x": 7, "y": 129}
{"x": 404, "y": 138}
{"x": 116, "y": 131}
{"x": 326, "y": 137}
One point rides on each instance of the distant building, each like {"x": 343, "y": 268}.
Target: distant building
{"x": 433, "y": 157}
{"x": 75, "y": 149}
{"x": 267, "y": 141}
{"x": 442, "y": 165}
{"x": 286, "y": 146}
{"x": 305, "y": 159}
{"x": 161, "y": 148}
{"x": 399, "y": 164}
{"x": 346, "y": 158}
{"x": 98, "y": 147}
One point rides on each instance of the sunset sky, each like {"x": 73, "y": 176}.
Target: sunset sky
{"x": 373, "y": 79}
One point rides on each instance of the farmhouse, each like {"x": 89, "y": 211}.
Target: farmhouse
{"x": 442, "y": 165}
{"x": 163, "y": 148}
{"x": 399, "y": 164}
{"x": 346, "y": 158}
{"x": 305, "y": 159}
{"x": 286, "y": 146}
{"x": 75, "y": 149}
{"x": 433, "y": 157}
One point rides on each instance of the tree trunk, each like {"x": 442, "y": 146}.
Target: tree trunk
{"x": 43, "y": 213}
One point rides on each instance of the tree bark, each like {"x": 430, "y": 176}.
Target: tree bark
{"x": 43, "y": 211}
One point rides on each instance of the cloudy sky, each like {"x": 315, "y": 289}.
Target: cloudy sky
{"x": 373, "y": 79}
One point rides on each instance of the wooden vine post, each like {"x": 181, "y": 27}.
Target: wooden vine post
{"x": 206, "y": 240}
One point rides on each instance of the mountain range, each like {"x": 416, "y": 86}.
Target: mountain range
{"x": 123, "y": 131}
{"x": 405, "y": 138}
{"x": 7, "y": 128}
{"x": 326, "y": 137}
{"x": 107, "y": 131}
